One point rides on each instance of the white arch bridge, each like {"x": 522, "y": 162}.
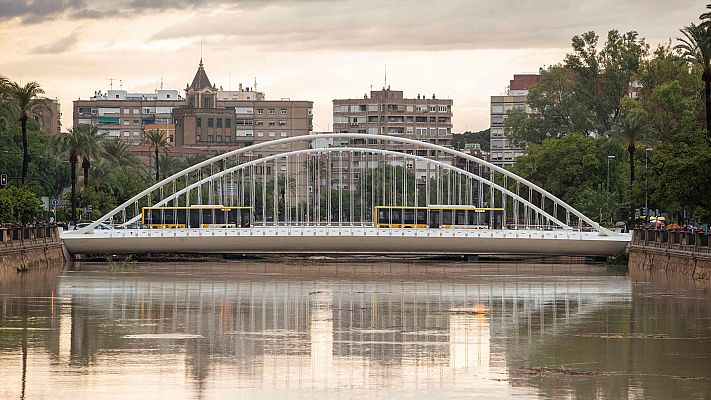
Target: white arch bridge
{"x": 346, "y": 193}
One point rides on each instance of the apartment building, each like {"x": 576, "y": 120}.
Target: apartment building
{"x": 502, "y": 151}
{"x": 207, "y": 117}
{"x": 388, "y": 112}
{"x": 50, "y": 118}
{"x": 124, "y": 116}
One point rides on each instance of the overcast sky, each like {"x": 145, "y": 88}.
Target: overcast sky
{"x": 466, "y": 50}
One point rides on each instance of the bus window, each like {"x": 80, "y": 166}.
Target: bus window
{"x": 434, "y": 221}
{"x": 396, "y": 216}
{"x": 408, "y": 216}
{"x": 422, "y": 217}
{"x": 181, "y": 216}
{"x": 383, "y": 216}
{"x": 245, "y": 220}
{"x": 446, "y": 217}
{"x": 461, "y": 217}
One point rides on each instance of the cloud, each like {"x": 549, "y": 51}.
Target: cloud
{"x": 433, "y": 25}
{"x": 58, "y": 46}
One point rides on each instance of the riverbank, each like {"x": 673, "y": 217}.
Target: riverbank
{"x": 678, "y": 253}
{"x": 25, "y": 248}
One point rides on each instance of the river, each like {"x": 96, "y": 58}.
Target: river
{"x": 351, "y": 330}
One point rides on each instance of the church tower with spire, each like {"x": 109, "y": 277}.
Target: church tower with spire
{"x": 201, "y": 93}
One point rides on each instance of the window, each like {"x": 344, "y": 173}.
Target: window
{"x": 207, "y": 102}
{"x": 126, "y": 110}
{"x": 136, "y": 133}
{"x": 210, "y": 124}
{"x": 442, "y": 108}
{"x": 443, "y": 131}
{"x": 283, "y": 134}
{"x": 198, "y": 137}
{"x": 260, "y": 111}
{"x": 219, "y": 138}
{"x": 260, "y": 134}
{"x": 126, "y": 133}
{"x": 272, "y": 123}
{"x": 219, "y": 122}
{"x": 136, "y": 111}
{"x": 127, "y": 122}
{"x": 198, "y": 122}
{"x": 421, "y": 108}
{"x": 283, "y": 111}
{"x": 228, "y": 123}
{"x": 410, "y": 108}
{"x": 272, "y": 134}
{"x": 433, "y": 108}
{"x": 282, "y": 123}
{"x": 137, "y": 122}
{"x": 258, "y": 122}
{"x": 147, "y": 110}
{"x": 271, "y": 111}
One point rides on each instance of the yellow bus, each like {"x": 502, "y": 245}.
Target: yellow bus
{"x": 439, "y": 216}
{"x": 212, "y": 216}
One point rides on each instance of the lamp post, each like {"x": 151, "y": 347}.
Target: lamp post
{"x": 646, "y": 181}
{"x": 608, "y": 179}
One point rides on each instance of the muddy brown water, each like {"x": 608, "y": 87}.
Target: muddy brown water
{"x": 358, "y": 329}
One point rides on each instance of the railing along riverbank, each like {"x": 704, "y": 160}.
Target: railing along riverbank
{"x": 686, "y": 253}
{"x": 24, "y": 247}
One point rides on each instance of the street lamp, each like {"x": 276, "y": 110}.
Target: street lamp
{"x": 646, "y": 180}
{"x": 608, "y": 180}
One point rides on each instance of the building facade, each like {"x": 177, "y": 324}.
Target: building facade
{"x": 502, "y": 151}
{"x": 207, "y": 117}
{"x": 388, "y": 112}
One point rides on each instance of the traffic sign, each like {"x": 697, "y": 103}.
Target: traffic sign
{"x": 54, "y": 202}
{"x": 3, "y": 180}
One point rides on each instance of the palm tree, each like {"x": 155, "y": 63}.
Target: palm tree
{"x": 695, "y": 48}
{"x": 168, "y": 164}
{"x": 156, "y": 139}
{"x": 90, "y": 147}
{"x": 631, "y": 130}
{"x": 25, "y": 102}
{"x": 69, "y": 144}
{"x": 118, "y": 154}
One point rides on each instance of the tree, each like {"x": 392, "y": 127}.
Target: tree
{"x": 90, "y": 148}
{"x": 25, "y": 102}
{"x": 695, "y": 48}
{"x": 574, "y": 168}
{"x": 70, "y": 144}
{"x": 481, "y": 137}
{"x": 117, "y": 154}
{"x": 157, "y": 140}
{"x": 18, "y": 205}
{"x": 633, "y": 129}
{"x": 602, "y": 77}
{"x": 168, "y": 164}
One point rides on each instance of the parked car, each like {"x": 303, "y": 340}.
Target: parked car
{"x": 100, "y": 226}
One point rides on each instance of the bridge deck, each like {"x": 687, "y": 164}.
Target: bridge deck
{"x": 346, "y": 240}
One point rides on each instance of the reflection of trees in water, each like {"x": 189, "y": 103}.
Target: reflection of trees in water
{"x": 654, "y": 346}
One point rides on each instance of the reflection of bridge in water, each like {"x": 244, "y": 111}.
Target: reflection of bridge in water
{"x": 318, "y": 330}
{"x": 346, "y": 193}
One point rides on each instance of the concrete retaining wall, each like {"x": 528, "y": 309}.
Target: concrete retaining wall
{"x": 30, "y": 256}
{"x": 678, "y": 262}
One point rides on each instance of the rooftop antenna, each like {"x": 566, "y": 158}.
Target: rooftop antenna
{"x": 386, "y": 76}
{"x": 201, "y": 52}
{"x": 255, "y": 83}
{"x": 161, "y": 81}
{"x": 229, "y": 80}
{"x": 121, "y": 84}
{"x": 111, "y": 83}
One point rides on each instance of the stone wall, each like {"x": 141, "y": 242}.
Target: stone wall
{"x": 678, "y": 262}
{"x": 30, "y": 256}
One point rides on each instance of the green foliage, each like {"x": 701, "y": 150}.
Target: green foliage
{"x": 481, "y": 137}
{"x": 574, "y": 168}
{"x": 18, "y": 205}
